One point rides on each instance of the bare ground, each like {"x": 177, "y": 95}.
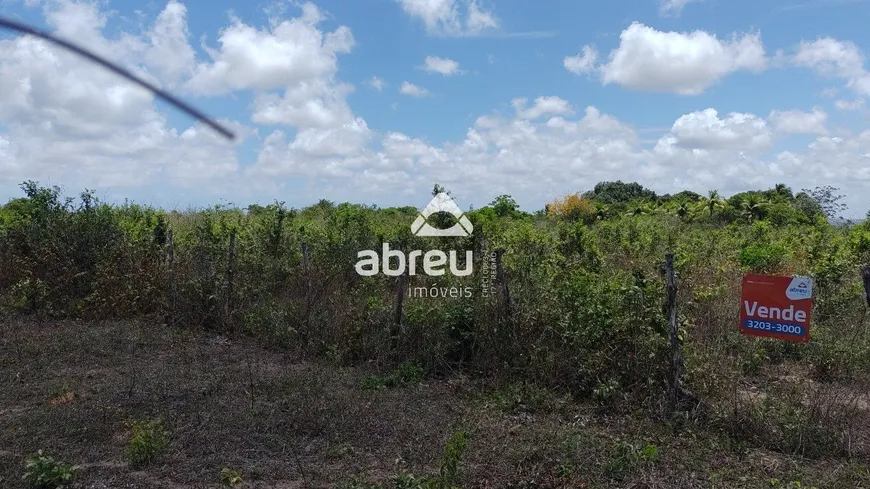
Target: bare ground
{"x": 70, "y": 389}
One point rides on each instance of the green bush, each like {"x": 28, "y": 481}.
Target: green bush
{"x": 44, "y": 472}
{"x": 148, "y": 440}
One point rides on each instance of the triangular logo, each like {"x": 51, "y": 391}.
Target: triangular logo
{"x": 441, "y": 203}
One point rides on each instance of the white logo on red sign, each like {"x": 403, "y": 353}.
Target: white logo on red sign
{"x": 800, "y": 288}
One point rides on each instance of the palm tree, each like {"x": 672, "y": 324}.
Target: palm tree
{"x": 712, "y": 201}
{"x": 642, "y": 209}
{"x": 753, "y": 207}
{"x": 683, "y": 210}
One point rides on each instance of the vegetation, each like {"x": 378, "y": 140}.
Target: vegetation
{"x": 148, "y": 439}
{"x": 43, "y": 472}
{"x": 583, "y": 321}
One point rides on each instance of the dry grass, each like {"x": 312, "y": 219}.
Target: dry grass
{"x": 71, "y": 388}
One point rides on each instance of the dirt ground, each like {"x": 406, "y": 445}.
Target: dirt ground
{"x": 71, "y": 389}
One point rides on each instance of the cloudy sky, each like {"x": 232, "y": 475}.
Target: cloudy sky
{"x": 373, "y": 101}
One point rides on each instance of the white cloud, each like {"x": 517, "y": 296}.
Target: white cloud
{"x": 543, "y": 106}
{"x": 86, "y": 128}
{"x": 833, "y": 58}
{"x": 293, "y": 52}
{"x": 674, "y": 7}
{"x": 799, "y": 122}
{"x": 408, "y": 88}
{"x": 679, "y": 62}
{"x": 856, "y": 104}
{"x": 377, "y": 83}
{"x": 538, "y": 154}
{"x": 169, "y": 52}
{"x": 444, "y": 66}
{"x": 705, "y": 130}
{"x": 451, "y": 17}
{"x": 479, "y": 19}
{"x": 83, "y": 125}
{"x": 582, "y": 63}
{"x": 319, "y": 103}
{"x": 293, "y": 55}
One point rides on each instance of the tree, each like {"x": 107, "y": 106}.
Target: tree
{"x": 641, "y": 209}
{"x": 753, "y": 208}
{"x": 804, "y": 203}
{"x": 437, "y": 189}
{"x": 504, "y": 205}
{"x": 575, "y": 207}
{"x": 687, "y": 196}
{"x": 713, "y": 201}
{"x": 620, "y": 193}
{"x": 683, "y": 210}
{"x": 831, "y": 203}
{"x": 782, "y": 190}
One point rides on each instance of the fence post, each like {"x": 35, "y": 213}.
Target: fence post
{"x": 231, "y": 265}
{"x": 170, "y": 260}
{"x": 503, "y": 281}
{"x": 400, "y": 303}
{"x": 306, "y": 270}
{"x": 865, "y": 277}
{"x": 676, "y": 360}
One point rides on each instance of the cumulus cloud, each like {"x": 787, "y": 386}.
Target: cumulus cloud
{"x": 81, "y": 124}
{"x": 293, "y": 52}
{"x": 542, "y": 106}
{"x": 686, "y": 63}
{"x": 543, "y": 150}
{"x": 85, "y": 127}
{"x": 799, "y": 122}
{"x": 582, "y": 63}
{"x": 833, "y": 58}
{"x": 408, "y": 88}
{"x": 169, "y": 52}
{"x": 705, "y": 130}
{"x": 443, "y": 66}
{"x": 451, "y": 17}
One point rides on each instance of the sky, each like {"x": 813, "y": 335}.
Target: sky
{"x": 374, "y": 101}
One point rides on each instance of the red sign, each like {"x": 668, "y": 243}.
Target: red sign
{"x": 776, "y": 307}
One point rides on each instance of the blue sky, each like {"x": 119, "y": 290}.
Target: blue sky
{"x": 786, "y": 82}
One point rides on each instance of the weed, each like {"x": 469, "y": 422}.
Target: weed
{"x": 44, "y": 472}
{"x": 230, "y": 477}
{"x": 147, "y": 441}
{"x": 406, "y": 374}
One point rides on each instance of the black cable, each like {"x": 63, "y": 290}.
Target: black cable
{"x": 17, "y": 26}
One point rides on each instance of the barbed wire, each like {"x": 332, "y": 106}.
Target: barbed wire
{"x": 171, "y": 99}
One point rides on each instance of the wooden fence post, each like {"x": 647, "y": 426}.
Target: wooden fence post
{"x": 503, "y": 281}
{"x": 231, "y": 265}
{"x": 170, "y": 260}
{"x": 676, "y": 360}
{"x": 306, "y": 269}
{"x": 400, "y": 303}
{"x": 865, "y": 277}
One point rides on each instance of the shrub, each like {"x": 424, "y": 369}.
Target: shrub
{"x": 43, "y": 472}
{"x": 147, "y": 441}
